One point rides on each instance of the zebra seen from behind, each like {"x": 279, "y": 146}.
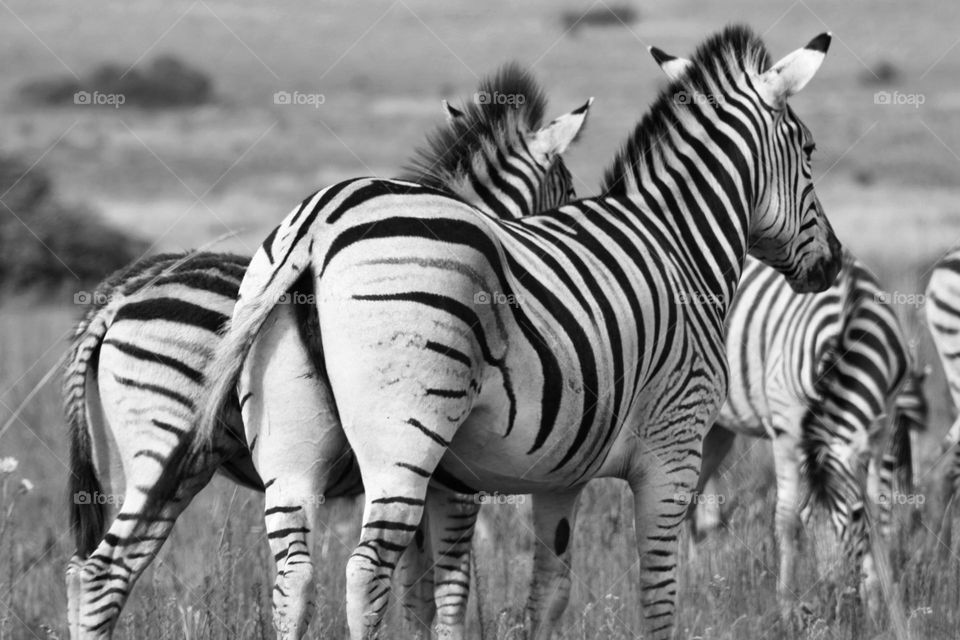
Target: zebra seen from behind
{"x": 584, "y": 365}
{"x": 815, "y": 374}
{"x": 139, "y": 357}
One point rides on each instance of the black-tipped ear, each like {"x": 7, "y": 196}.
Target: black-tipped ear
{"x": 660, "y": 56}
{"x": 821, "y": 43}
{"x": 451, "y": 113}
{"x": 673, "y": 66}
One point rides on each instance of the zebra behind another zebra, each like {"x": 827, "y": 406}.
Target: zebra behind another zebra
{"x": 139, "y": 357}
{"x": 590, "y": 369}
{"x": 942, "y": 311}
{"x": 815, "y": 374}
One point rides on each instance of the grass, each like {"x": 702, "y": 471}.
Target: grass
{"x": 886, "y": 176}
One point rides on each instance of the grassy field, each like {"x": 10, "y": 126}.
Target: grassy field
{"x": 887, "y": 175}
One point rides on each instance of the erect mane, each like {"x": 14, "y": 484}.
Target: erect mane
{"x": 726, "y": 54}
{"x": 492, "y": 125}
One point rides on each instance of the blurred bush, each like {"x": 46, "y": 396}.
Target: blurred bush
{"x": 45, "y": 243}
{"x": 606, "y": 15}
{"x": 166, "y": 82}
{"x": 881, "y": 73}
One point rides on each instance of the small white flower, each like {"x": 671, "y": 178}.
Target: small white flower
{"x": 8, "y": 465}
{"x": 25, "y": 486}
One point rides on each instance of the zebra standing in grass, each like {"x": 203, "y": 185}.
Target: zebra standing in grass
{"x": 139, "y": 357}
{"x": 532, "y": 356}
{"x": 942, "y": 311}
{"x": 814, "y": 374}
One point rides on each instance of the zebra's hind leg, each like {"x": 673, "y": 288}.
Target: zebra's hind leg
{"x": 396, "y": 466}
{"x": 452, "y": 517}
{"x": 662, "y": 482}
{"x": 290, "y": 513}
{"x": 128, "y": 547}
{"x": 415, "y": 582}
{"x": 554, "y": 516}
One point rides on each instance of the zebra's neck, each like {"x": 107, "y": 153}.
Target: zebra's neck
{"x": 699, "y": 190}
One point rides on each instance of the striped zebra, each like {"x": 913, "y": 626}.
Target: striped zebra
{"x": 815, "y": 374}
{"x": 532, "y": 356}
{"x": 139, "y": 357}
{"x": 942, "y": 311}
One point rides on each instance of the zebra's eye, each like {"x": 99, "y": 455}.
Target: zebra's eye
{"x": 809, "y": 149}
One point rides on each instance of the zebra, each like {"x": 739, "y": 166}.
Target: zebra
{"x": 815, "y": 374}
{"x": 139, "y": 356}
{"x": 531, "y": 356}
{"x": 942, "y": 312}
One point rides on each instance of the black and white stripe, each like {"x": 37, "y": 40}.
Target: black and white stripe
{"x": 532, "y": 356}
{"x": 817, "y": 375}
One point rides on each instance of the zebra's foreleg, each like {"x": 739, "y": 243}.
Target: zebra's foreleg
{"x": 554, "y": 517}
{"x": 663, "y": 483}
{"x": 704, "y": 515}
{"x": 788, "y": 523}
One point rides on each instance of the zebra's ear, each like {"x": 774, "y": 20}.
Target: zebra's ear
{"x": 794, "y": 71}
{"x": 673, "y": 66}
{"x": 451, "y": 113}
{"x": 552, "y": 140}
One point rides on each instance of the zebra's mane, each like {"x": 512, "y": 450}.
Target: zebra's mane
{"x": 452, "y": 148}
{"x": 724, "y": 56}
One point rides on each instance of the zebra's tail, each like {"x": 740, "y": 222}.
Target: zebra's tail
{"x": 87, "y": 513}
{"x": 258, "y": 299}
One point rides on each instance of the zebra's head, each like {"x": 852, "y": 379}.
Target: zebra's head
{"x": 493, "y": 152}
{"x": 787, "y": 228}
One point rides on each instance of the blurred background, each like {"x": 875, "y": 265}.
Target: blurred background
{"x": 230, "y": 113}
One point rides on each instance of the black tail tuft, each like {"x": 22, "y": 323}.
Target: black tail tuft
{"x": 87, "y": 512}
